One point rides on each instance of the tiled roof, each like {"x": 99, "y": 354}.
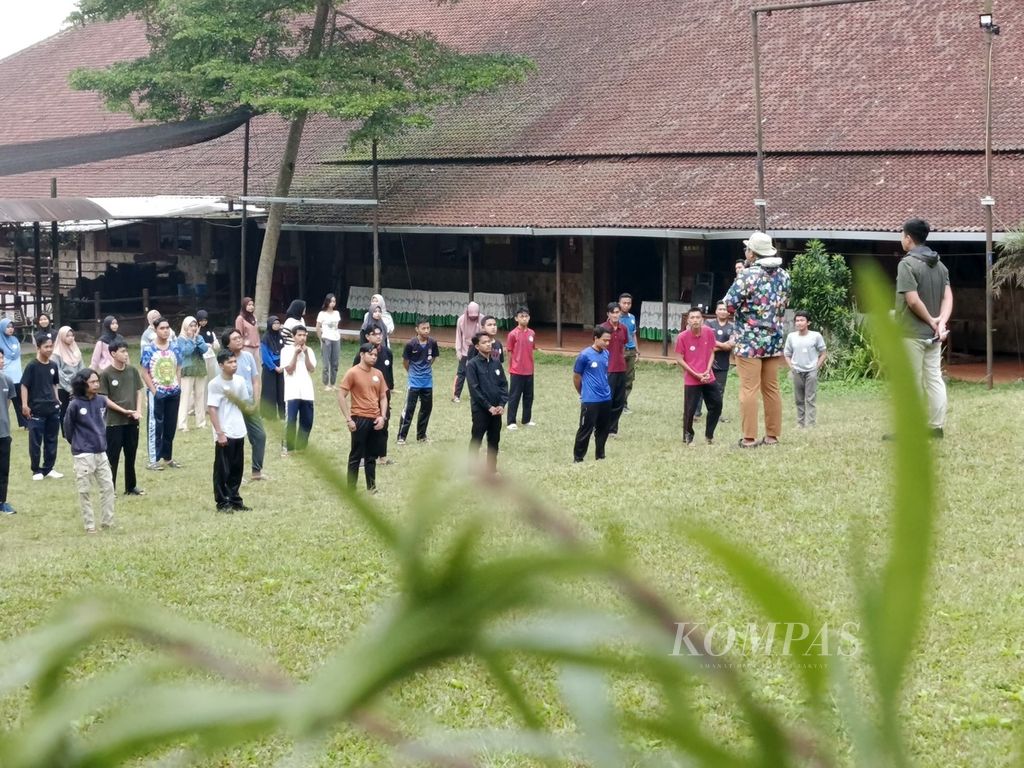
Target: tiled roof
{"x": 829, "y": 192}
{"x": 639, "y": 115}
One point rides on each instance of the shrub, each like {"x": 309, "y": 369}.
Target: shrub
{"x": 821, "y": 285}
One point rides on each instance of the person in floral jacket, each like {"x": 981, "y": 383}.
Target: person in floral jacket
{"x": 759, "y": 298}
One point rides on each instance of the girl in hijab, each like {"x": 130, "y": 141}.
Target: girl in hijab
{"x": 273, "y": 373}
{"x": 208, "y": 334}
{"x": 101, "y": 352}
{"x": 376, "y": 321}
{"x": 389, "y": 323}
{"x": 245, "y": 324}
{"x": 11, "y": 348}
{"x": 294, "y": 316}
{"x": 192, "y": 347}
{"x": 43, "y": 325}
{"x": 68, "y": 358}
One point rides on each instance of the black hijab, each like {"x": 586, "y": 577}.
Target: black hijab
{"x": 272, "y": 338}
{"x": 108, "y": 336}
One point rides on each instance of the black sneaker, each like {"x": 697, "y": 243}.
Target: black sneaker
{"x": 227, "y": 509}
{"x": 240, "y": 508}
{"x": 135, "y": 492}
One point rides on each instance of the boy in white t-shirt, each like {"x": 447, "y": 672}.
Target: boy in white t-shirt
{"x": 228, "y": 433}
{"x": 298, "y": 362}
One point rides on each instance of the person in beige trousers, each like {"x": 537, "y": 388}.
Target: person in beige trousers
{"x": 193, "y": 347}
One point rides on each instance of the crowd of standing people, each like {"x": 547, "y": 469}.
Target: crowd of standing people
{"x": 235, "y": 381}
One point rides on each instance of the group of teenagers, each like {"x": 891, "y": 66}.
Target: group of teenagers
{"x": 237, "y": 379}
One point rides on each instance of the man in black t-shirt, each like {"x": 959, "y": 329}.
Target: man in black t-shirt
{"x": 40, "y": 406}
{"x": 724, "y": 343}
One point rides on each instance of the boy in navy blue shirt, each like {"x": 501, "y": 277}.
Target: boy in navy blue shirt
{"x": 86, "y": 429}
{"x": 590, "y": 377}
{"x": 418, "y": 359}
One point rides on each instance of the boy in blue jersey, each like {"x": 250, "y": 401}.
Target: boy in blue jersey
{"x": 632, "y": 350}
{"x": 418, "y": 360}
{"x": 590, "y": 377}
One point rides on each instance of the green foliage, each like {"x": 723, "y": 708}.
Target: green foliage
{"x": 460, "y": 599}
{"x": 212, "y": 56}
{"x": 1009, "y": 269}
{"x": 821, "y": 285}
{"x": 854, "y": 359}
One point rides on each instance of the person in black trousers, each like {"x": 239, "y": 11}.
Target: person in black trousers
{"x": 123, "y": 387}
{"x": 488, "y": 395}
{"x": 40, "y": 406}
{"x": 362, "y": 400}
{"x": 384, "y": 364}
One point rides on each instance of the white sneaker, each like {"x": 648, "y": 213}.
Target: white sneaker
{"x": 531, "y": 423}
{"x": 512, "y": 427}
{"x": 38, "y": 476}
{"x": 53, "y": 474}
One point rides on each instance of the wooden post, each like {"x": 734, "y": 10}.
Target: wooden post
{"x": 245, "y": 213}
{"x": 376, "y": 219}
{"x": 96, "y": 307}
{"x": 469, "y": 269}
{"x": 558, "y": 293}
{"x": 145, "y": 300}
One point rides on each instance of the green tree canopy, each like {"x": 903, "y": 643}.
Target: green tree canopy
{"x": 293, "y": 58}
{"x": 821, "y": 285}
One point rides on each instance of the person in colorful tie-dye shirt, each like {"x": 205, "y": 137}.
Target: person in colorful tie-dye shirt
{"x": 758, "y": 298}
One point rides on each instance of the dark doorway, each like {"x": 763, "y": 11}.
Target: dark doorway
{"x": 637, "y": 269}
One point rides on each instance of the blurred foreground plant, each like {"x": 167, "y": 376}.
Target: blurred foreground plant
{"x": 462, "y": 603}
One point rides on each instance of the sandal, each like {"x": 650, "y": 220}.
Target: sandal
{"x": 769, "y": 441}
{"x": 744, "y": 444}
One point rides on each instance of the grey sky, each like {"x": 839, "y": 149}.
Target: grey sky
{"x": 25, "y": 22}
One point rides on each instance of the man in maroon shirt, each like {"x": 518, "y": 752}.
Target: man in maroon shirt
{"x": 616, "y": 362}
{"x": 695, "y": 352}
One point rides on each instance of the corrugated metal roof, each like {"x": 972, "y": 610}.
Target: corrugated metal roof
{"x": 51, "y": 209}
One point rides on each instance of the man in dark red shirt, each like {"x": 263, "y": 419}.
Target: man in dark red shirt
{"x": 616, "y": 362}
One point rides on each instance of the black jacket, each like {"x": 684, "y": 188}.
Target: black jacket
{"x": 488, "y": 386}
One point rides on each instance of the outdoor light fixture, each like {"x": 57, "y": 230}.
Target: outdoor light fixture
{"x": 986, "y": 22}
{"x": 988, "y": 200}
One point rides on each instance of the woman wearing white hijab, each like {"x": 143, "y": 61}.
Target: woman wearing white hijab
{"x": 68, "y": 357}
{"x": 389, "y": 322}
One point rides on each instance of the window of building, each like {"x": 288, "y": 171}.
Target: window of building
{"x": 175, "y": 235}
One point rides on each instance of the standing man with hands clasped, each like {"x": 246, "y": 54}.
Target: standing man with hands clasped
{"x": 298, "y": 362}
{"x": 40, "y": 407}
{"x": 488, "y": 393}
{"x": 122, "y": 385}
{"x": 924, "y": 302}
{"x": 225, "y": 395}
{"x": 695, "y": 352}
{"x": 363, "y": 401}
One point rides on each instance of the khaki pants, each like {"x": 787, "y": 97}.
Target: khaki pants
{"x": 926, "y": 360}
{"x": 89, "y": 466}
{"x": 759, "y": 381}
{"x": 193, "y": 400}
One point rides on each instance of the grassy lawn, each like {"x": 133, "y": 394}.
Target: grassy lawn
{"x": 300, "y": 574}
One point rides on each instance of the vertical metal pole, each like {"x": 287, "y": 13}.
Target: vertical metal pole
{"x": 558, "y": 294}
{"x": 38, "y": 266}
{"x": 760, "y": 203}
{"x": 96, "y": 307}
{"x": 988, "y": 203}
{"x": 245, "y": 216}
{"x": 375, "y": 181}
{"x": 664, "y": 299}
{"x": 55, "y": 257}
{"x": 469, "y": 269}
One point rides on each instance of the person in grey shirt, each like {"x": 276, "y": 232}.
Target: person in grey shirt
{"x": 804, "y": 353}
{"x": 924, "y": 303}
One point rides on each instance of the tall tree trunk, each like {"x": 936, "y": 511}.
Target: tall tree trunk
{"x": 285, "y": 174}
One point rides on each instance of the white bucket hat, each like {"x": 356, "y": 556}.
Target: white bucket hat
{"x": 760, "y": 244}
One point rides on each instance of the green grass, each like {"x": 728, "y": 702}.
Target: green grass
{"x": 300, "y": 574}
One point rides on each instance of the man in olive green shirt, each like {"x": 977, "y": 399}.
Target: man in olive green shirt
{"x": 924, "y": 302}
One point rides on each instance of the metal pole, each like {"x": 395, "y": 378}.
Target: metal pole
{"x": 245, "y": 215}
{"x": 760, "y": 203}
{"x": 988, "y": 202}
{"x": 469, "y": 269}
{"x": 664, "y": 299}
{"x": 55, "y": 258}
{"x": 375, "y": 181}
{"x": 38, "y": 267}
{"x": 558, "y": 294}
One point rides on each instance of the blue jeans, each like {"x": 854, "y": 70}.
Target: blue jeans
{"x": 300, "y": 411}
